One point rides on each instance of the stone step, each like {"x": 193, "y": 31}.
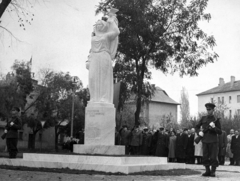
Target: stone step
{"x": 84, "y": 159}
{"x": 124, "y": 168}
{"x": 99, "y": 149}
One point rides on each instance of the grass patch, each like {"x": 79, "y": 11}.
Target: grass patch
{"x": 172, "y": 172}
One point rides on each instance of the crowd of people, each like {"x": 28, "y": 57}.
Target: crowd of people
{"x": 178, "y": 145}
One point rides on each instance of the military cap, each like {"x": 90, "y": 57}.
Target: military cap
{"x": 210, "y": 105}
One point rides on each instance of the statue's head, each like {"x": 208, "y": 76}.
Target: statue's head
{"x": 101, "y": 26}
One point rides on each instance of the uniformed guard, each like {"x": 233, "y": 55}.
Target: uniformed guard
{"x": 211, "y": 129}
{"x": 11, "y": 130}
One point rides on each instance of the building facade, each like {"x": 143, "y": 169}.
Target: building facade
{"x": 160, "y": 110}
{"x": 227, "y": 94}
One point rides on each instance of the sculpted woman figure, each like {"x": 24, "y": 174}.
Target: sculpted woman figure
{"x": 104, "y": 44}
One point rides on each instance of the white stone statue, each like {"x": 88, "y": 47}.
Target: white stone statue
{"x": 104, "y": 45}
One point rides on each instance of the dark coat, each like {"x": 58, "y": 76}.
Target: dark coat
{"x": 124, "y": 135}
{"x": 181, "y": 145}
{"x": 146, "y": 143}
{"x": 136, "y": 138}
{"x": 190, "y": 146}
{"x": 162, "y": 144}
{"x": 211, "y": 135}
{"x": 12, "y": 131}
{"x": 235, "y": 147}
{"x": 222, "y": 143}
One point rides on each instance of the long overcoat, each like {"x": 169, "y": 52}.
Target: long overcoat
{"x": 222, "y": 143}
{"x": 198, "y": 147}
{"x": 124, "y": 137}
{"x": 235, "y": 147}
{"x": 162, "y": 144}
{"x": 181, "y": 145}
{"x": 172, "y": 146}
{"x": 229, "y": 151}
{"x": 190, "y": 146}
{"x": 146, "y": 143}
{"x": 136, "y": 138}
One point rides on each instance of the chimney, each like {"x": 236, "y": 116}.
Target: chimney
{"x": 221, "y": 82}
{"x": 232, "y": 80}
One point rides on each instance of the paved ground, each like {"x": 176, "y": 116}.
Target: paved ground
{"x": 224, "y": 173}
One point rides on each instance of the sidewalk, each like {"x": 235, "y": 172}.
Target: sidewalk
{"x": 224, "y": 173}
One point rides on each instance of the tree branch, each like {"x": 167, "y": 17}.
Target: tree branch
{"x": 10, "y": 33}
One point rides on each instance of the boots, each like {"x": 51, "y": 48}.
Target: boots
{"x": 207, "y": 173}
{"x": 213, "y": 170}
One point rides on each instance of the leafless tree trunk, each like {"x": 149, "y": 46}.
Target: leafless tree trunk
{"x": 3, "y": 6}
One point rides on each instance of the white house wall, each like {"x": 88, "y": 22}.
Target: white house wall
{"x": 234, "y": 106}
{"x": 158, "y": 110}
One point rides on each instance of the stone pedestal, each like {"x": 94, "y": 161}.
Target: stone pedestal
{"x": 99, "y": 149}
{"x": 111, "y": 164}
{"x": 100, "y": 124}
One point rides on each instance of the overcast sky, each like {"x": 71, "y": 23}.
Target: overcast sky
{"x": 59, "y": 38}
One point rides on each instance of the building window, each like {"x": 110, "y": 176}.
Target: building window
{"x": 219, "y": 100}
{"x": 230, "y": 114}
{"x": 238, "y": 98}
{"x": 222, "y": 100}
{"x": 230, "y": 99}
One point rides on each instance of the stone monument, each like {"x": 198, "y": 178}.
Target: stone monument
{"x": 100, "y": 112}
{"x": 100, "y": 118}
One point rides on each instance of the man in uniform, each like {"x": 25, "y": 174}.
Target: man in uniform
{"x": 211, "y": 129}
{"x": 11, "y": 130}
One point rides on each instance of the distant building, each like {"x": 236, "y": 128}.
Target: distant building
{"x": 160, "y": 110}
{"x": 225, "y": 93}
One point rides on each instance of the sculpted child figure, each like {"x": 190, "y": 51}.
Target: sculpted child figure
{"x": 104, "y": 44}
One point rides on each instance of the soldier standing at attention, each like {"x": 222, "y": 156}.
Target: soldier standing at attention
{"x": 11, "y": 130}
{"x": 211, "y": 129}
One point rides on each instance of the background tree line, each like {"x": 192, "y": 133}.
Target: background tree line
{"x": 187, "y": 121}
{"x": 49, "y": 100}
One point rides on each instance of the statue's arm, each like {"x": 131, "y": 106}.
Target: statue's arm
{"x": 114, "y": 30}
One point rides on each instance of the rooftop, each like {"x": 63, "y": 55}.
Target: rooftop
{"x": 161, "y": 96}
{"x": 223, "y": 87}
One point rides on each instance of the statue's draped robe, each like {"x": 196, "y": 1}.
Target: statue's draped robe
{"x": 103, "y": 50}
{"x": 100, "y": 70}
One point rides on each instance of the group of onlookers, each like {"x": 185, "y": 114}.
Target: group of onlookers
{"x": 233, "y": 147}
{"x": 178, "y": 145}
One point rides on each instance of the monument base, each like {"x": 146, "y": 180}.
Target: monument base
{"x": 110, "y": 164}
{"x": 99, "y": 124}
{"x": 99, "y": 149}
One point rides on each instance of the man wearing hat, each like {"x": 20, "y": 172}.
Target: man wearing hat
{"x": 181, "y": 145}
{"x": 211, "y": 129}
{"x": 161, "y": 143}
{"x": 11, "y": 130}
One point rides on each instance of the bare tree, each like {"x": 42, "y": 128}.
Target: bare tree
{"x": 19, "y": 8}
